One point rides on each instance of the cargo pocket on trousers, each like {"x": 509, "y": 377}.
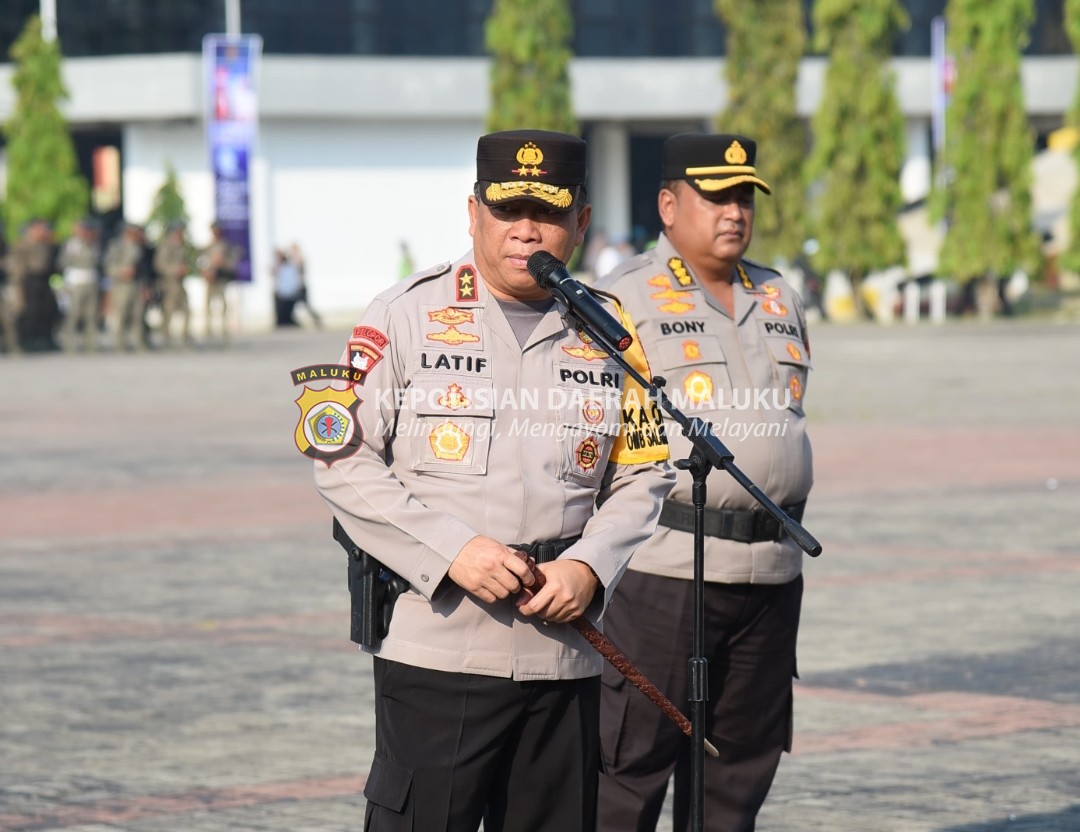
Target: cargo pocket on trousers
{"x": 388, "y": 784}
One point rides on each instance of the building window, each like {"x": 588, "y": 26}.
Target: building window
{"x": 437, "y": 28}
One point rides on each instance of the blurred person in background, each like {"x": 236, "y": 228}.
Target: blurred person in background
{"x": 30, "y": 268}
{"x": 10, "y": 336}
{"x": 296, "y": 256}
{"x": 172, "y": 263}
{"x": 288, "y": 287}
{"x": 217, "y": 264}
{"x": 124, "y": 263}
{"x": 80, "y": 263}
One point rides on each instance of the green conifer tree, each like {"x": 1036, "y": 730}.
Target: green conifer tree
{"x": 168, "y": 206}
{"x": 765, "y": 42}
{"x": 1070, "y": 258}
{"x": 985, "y": 193}
{"x": 43, "y": 173}
{"x": 530, "y": 76}
{"x": 858, "y": 138}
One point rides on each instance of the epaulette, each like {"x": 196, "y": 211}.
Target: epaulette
{"x": 415, "y": 279}
{"x": 636, "y": 260}
{"x": 434, "y": 271}
{"x": 627, "y": 266}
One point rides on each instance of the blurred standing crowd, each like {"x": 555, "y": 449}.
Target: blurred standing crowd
{"x": 74, "y": 293}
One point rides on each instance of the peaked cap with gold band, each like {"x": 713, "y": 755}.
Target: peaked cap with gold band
{"x": 537, "y": 165}
{"x": 711, "y": 163}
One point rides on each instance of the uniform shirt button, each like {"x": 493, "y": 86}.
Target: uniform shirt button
{"x": 424, "y": 578}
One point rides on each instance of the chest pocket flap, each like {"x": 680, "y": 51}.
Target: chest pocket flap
{"x": 452, "y": 423}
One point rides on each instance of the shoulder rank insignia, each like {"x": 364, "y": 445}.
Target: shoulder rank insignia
{"x": 682, "y": 274}
{"x": 465, "y": 288}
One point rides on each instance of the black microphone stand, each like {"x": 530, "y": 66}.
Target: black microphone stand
{"x": 708, "y": 453}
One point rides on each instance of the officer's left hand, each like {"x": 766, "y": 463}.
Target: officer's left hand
{"x": 567, "y": 592}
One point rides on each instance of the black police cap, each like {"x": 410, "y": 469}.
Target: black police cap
{"x": 711, "y": 162}
{"x": 538, "y": 165}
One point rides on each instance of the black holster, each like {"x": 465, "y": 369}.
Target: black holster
{"x": 373, "y": 588}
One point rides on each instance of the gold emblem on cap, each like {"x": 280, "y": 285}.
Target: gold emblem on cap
{"x": 735, "y": 154}
{"x": 529, "y": 156}
{"x": 502, "y": 191}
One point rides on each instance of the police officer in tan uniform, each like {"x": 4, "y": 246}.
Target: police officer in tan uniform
{"x": 491, "y": 426}
{"x": 30, "y": 268}
{"x": 7, "y": 301}
{"x": 218, "y": 264}
{"x": 730, "y": 338}
{"x": 79, "y": 260}
{"x": 172, "y": 263}
{"x": 127, "y": 292}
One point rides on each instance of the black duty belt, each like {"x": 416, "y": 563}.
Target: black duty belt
{"x": 548, "y": 550}
{"x": 741, "y": 525}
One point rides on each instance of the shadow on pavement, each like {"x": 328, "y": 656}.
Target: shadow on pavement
{"x": 1066, "y": 819}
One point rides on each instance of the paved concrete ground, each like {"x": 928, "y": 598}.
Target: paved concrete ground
{"x": 174, "y": 648}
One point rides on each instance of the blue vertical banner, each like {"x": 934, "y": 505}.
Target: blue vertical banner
{"x": 943, "y": 75}
{"x": 231, "y": 66}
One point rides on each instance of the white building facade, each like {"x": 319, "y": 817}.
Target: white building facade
{"x": 358, "y": 156}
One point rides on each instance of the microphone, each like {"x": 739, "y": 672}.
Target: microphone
{"x": 550, "y": 273}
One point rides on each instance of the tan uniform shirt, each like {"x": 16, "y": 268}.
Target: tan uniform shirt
{"x": 79, "y": 261}
{"x": 219, "y": 261}
{"x": 122, "y": 260}
{"x": 747, "y": 376}
{"x": 172, "y": 261}
{"x": 465, "y": 433}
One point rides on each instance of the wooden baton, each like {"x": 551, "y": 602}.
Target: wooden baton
{"x": 621, "y": 662}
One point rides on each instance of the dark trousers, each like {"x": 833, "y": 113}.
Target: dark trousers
{"x": 454, "y": 748}
{"x": 750, "y": 635}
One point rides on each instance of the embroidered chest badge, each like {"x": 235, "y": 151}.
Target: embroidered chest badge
{"x": 587, "y": 454}
{"x": 774, "y": 307}
{"x": 453, "y": 398}
{"x": 593, "y": 412}
{"x": 452, "y": 318}
{"x": 698, "y": 387}
{"x": 586, "y": 351}
{"x": 449, "y": 442}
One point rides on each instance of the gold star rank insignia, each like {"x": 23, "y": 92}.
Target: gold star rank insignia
{"x": 466, "y": 284}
